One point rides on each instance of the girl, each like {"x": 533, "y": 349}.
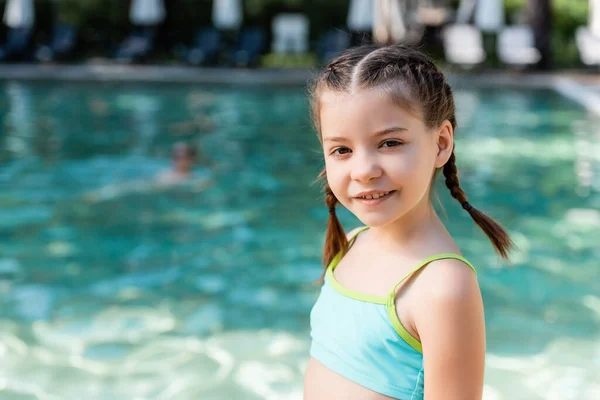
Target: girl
{"x": 400, "y": 313}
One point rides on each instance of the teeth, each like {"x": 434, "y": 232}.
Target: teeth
{"x": 374, "y": 196}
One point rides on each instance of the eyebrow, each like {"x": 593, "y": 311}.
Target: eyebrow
{"x": 376, "y": 134}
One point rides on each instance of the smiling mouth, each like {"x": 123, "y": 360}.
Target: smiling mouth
{"x": 375, "y": 196}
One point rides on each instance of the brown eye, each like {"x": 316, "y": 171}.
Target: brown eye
{"x": 341, "y": 151}
{"x": 391, "y": 143}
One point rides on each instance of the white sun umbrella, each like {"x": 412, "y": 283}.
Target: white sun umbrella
{"x": 147, "y": 12}
{"x": 489, "y": 15}
{"x": 360, "y": 15}
{"x": 594, "y": 18}
{"x": 19, "y": 14}
{"x": 587, "y": 37}
{"x": 227, "y": 14}
{"x": 388, "y": 21}
{"x": 465, "y": 11}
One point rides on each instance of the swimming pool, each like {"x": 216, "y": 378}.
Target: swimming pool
{"x": 115, "y": 288}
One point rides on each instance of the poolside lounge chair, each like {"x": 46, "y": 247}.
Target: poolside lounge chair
{"x": 290, "y": 33}
{"x": 588, "y": 45}
{"x": 17, "y": 44}
{"x": 205, "y": 48}
{"x": 63, "y": 43}
{"x": 334, "y": 42}
{"x": 516, "y": 46}
{"x": 251, "y": 45}
{"x": 463, "y": 45}
{"x": 137, "y": 46}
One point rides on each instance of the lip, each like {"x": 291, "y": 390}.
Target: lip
{"x": 373, "y": 202}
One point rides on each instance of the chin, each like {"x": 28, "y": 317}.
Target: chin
{"x": 376, "y": 219}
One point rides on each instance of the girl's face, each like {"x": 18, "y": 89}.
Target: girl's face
{"x": 379, "y": 158}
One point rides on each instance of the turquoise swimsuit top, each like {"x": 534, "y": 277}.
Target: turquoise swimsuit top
{"x": 360, "y": 337}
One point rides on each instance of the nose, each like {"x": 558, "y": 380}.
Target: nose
{"x": 365, "y": 167}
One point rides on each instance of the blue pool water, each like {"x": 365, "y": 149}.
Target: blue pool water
{"x": 115, "y": 287}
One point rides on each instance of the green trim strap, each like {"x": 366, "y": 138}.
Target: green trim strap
{"x": 369, "y": 298}
{"x": 358, "y": 230}
{"x": 391, "y": 300}
{"x": 399, "y": 328}
{"x": 338, "y": 257}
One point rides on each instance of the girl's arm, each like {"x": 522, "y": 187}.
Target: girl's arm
{"x": 450, "y": 324}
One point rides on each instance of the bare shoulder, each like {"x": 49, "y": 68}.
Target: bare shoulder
{"x": 448, "y": 279}
{"x": 451, "y": 327}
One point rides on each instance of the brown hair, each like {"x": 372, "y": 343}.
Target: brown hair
{"x": 415, "y": 83}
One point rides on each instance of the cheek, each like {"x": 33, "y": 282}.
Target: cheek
{"x": 412, "y": 169}
{"x": 401, "y": 169}
{"x": 337, "y": 179}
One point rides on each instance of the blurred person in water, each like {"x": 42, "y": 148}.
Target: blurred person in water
{"x": 184, "y": 157}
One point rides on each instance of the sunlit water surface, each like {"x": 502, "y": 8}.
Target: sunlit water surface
{"x": 113, "y": 287}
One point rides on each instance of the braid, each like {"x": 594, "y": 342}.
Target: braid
{"x": 333, "y": 77}
{"x": 450, "y": 99}
{"x": 330, "y": 199}
{"x": 452, "y": 181}
{"x": 495, "y": 233}
{"x": 335, "y": 237}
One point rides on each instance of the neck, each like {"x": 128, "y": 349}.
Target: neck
{"x": 413, "y": 231}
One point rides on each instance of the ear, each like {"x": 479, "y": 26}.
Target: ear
{"x": 445, "y": 143}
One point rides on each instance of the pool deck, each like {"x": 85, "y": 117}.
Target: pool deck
{"x": 581, "y": 86}
{"x": 154, "y": 73}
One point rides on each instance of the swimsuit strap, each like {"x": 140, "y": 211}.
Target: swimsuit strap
{"x": 430, "y": 259}
{"x": 364, "y": 228}
{"x": 391, "y": 300}
{"x": 338, "y": 256}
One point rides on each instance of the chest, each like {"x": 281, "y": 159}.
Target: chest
{"x": 356, "y": 335}
{"x": 365, "y": 324}
{"x": 371, "y": 274}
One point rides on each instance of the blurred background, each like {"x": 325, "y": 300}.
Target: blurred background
{"x": 298, "y": 33}
{"x": 160, "y": 232}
